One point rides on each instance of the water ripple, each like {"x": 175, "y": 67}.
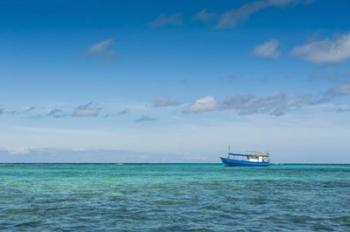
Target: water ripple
{"x": 181, "y": 197}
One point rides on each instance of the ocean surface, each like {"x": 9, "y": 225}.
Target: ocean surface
{"x": 174, "y": 197}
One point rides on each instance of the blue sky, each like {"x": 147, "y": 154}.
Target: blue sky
{"x": 181, "y": 79}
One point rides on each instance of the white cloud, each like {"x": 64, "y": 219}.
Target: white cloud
{"x": 103, "y": 49}
{"x": 325, "y": 51}
{"x": 10, "y": 112}
{"x": 268, "y": 49}
{"x": 19, "y": 150}
{"x": 167, "y": 19}
{"x": 232, "y": 17}
{"x": 145, "y": 118}
{"x": 56, "y": 113}
{"x": 124, "y": 111}
{"x": 101, "y": 46}
{"x": 277, "y": 104}
{"x": 204, "y": 15}
{"x": 30, "y": 109}
{"x": 164, "y": 102}
{"x": 341, "y": 90}
{"x": 207, "y": 103}
{"x": 88, "y": 110}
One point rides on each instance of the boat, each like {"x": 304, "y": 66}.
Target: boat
{"x": 257, "y": 159}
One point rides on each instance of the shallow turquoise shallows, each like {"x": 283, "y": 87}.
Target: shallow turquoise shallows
{"x": 174, "y": 197}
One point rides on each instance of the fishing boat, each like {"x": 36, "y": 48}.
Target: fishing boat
{"x": 257, "y": 159}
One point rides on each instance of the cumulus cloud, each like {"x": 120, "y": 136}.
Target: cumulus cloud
{"x": 268, "y": 49}
{"x": 145, "y": 118}
{"x": 204, "y": 16}
{"x": 88, "y": 110}
{"x": 56, "y": 113}
{"x": 204, "y": 104}
{"x": 164, "y": 102}
{"x": 103, "y": 49}
{"x": 166, "y": 19}
{"x": 232, "y": 17}
{"x": 324, "y": 51}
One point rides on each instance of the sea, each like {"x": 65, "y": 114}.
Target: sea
{"x": 174, "y": 197}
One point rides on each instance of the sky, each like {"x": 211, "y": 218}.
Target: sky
{"x": 174, "y": 81}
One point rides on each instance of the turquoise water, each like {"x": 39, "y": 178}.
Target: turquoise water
{"x": 173, "y": 197}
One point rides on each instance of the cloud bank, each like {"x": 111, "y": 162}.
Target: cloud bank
{"x": 276, "y": 104}
{"x": 57, "y": 155}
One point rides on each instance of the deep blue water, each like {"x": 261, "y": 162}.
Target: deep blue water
{"x": 174, "y": 197}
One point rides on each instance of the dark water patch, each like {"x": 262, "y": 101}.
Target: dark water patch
{"x": 29, "y": 224}
{"x": 342, "y": 221}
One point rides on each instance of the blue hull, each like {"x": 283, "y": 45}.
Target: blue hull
{"x": 233, "y": 162}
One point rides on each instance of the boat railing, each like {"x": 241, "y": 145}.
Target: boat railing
{"x": 256, "y": 156}
{"x": 259, "y": 153}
